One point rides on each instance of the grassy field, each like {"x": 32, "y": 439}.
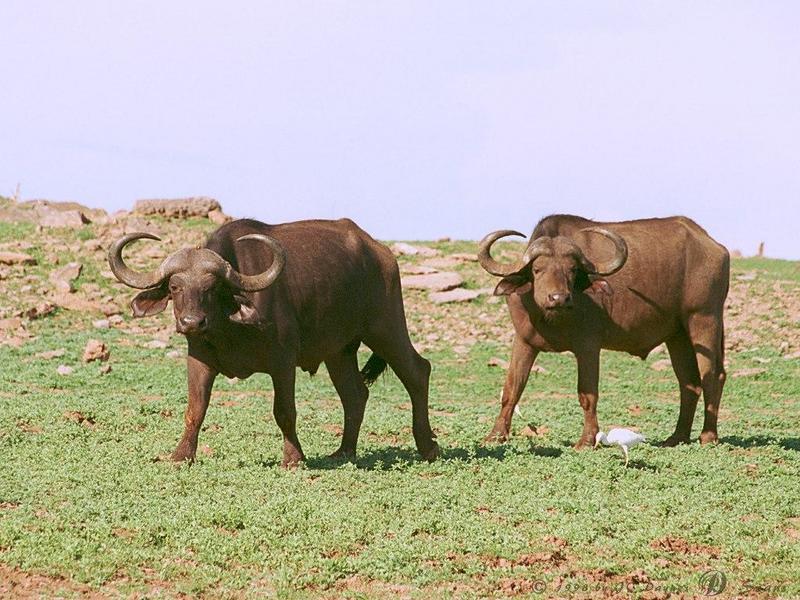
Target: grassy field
{"x": 86, "y": 507}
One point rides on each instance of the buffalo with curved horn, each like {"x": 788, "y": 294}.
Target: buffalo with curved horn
{"x": 271, "y": 298}
{"x": 667, "y": 281}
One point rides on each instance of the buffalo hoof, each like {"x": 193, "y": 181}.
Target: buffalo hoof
{"x": 431, "y": 454}
{"x": 292, "y": 459}
{"x": 496, "y": 437}
{"x": 343, "y": 455}
{"x": 585, "y": 443}
{"x": 675, "y": 440}
{"x": 180, "y": 455}
{"x": 708, "y": 437}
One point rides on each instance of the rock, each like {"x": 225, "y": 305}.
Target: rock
{"x": 105, "y": 369}
{"x": 401, "y": 248}
{"x": 16, "y": 258}
{"x": 181, "y": 208}
{"x": 442, "y": 262}
{"x": 750, "y": 276}
{"x": 12, "y": 323}
{"x": 39, "y": 206}
{"x": 174, "y": 354}
{"x": 218, "y": 217}
{"x": 465, "y": 257}
{"x": 497, "y": 362}
{"x": 115, "y": 319}
{"x": 538, "y": 369}
{"x": 661, "y": 365}
{"x": 74, "y": 302}
{"x": 64, "y": 370}
{"x": 96, "y": 350}
{"x": 736, "y": 253}
{"x": 155, "y": 344}
{"x": 62, "y": 218}
{"x": 94, "y": 245}
{"x": 63, "y": 277}
{"x": 49, "y": 354}
{"x": 101, "y": 324}
{"x": 417, "y": 270}
{"x": 455, "y": 295}
{"x": 438, "y": 282}
{"x": 40, "y": 310}
{"x": 749, "y": 372}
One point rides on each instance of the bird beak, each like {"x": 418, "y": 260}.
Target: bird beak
{"x": 596, "y": 444}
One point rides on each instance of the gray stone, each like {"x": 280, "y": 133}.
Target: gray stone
{"x": 63, "y": 277}
{"x": 401, "y": 248}
{"x": 16, "y": 258}
{"x": 455, "y": 295}
{"x": 436, "y": 282}
{"x": 180, "y": 208}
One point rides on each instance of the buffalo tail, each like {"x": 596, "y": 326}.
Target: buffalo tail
{"x": 372, "y": 370}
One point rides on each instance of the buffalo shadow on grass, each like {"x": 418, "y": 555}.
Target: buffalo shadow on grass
{"x": 755, "y": 441}
{"x": 392, "y": 458}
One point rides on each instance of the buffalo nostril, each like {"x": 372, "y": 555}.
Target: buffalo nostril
{"x": 192, "y": 323}
{"x": 559, "y": 299}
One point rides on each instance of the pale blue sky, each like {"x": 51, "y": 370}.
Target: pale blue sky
{"x": 416, "y": 119}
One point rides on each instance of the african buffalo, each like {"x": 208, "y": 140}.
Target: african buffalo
{"x": 270, "y": 298}
{"x": 582, "y": 286}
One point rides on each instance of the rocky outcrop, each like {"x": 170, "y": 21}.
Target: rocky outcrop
{"x": 181, "y": 208}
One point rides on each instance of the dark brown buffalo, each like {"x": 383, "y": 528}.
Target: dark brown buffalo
{"x": 270, "y": 298}
{"x": 582, "y": 286}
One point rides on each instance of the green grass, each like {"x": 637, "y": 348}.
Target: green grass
{"x": 82, "y": 496}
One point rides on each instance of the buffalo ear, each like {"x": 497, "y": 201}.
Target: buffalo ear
{"x": 600, "y": 287}
{"x": 246, "y": 313}
{"x": 513, "y": 284}
{"x": 150, "y": 302}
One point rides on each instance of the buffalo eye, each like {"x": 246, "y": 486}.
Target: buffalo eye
{"x": 537, "y": 271}
{"x": 174, "y": 288}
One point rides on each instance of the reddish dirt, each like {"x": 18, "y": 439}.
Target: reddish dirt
{"x": 675, "y": 545}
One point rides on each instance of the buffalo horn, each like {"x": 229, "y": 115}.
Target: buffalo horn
{"x": 489, "y": 264}
{"x": 125, "y": 274}
{"x": 254, "y": 283}
{"x": 620, "y": 255}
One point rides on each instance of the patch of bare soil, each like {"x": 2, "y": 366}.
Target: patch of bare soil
{"x": 676, "y": 545}
{"x": 15, "y": 583}
{"x": 18, "y": 584}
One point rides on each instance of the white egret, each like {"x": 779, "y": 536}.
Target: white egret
{"x": 624, "y": 438}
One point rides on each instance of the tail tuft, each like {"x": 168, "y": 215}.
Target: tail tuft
{"x": 372, "y": 370}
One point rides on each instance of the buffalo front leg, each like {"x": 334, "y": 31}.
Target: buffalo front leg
{"x": 522, "y": 357}
{"x": 588, "y": 376}
{"x": 349, "y": 384}
{"x": 684, "y": 363}
{"x": 201, "y": 379}
{"x": 286, "y": 416}
{"x": 706, "y": 334}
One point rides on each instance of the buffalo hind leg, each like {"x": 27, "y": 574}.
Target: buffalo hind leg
{"x": 414, "y": 372}
{"x": 349, "y": 384}
{"x": 588, "y": 378}
{"x": 522, "y": 358}
{"x": 684, "y": 363}
{"x": 705, "y": 331}
{"x": 285, "y": 414}
{"x": 201, "y": 379}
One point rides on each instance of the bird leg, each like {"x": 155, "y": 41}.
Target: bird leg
{"x": 625, "y": 451}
